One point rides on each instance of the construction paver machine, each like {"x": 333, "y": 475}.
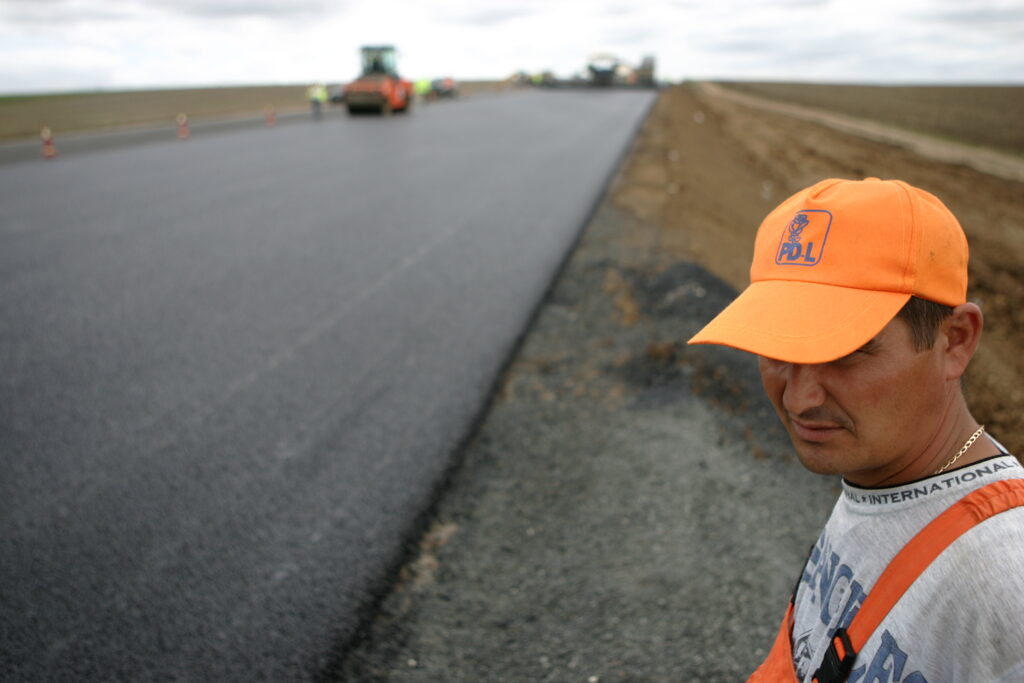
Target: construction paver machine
{"x": 379, "y": 88}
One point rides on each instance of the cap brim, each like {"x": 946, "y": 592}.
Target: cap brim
{"x": 801, "y": 322}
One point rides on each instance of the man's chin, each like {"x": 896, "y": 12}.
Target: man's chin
{"x": 818, "y": 459}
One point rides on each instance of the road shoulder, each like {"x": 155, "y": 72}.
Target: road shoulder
{"x": 625, "y": 510}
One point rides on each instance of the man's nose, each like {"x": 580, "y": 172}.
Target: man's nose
{"x": 804, "y": 390}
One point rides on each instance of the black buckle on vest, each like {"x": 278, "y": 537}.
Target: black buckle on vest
{"x": 838, "y": 661}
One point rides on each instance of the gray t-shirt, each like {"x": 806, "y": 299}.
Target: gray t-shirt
{"x": 962, "y": 620}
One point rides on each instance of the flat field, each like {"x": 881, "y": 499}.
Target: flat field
{"x": 990, "y": 116}
{"x": 23, "y": 116}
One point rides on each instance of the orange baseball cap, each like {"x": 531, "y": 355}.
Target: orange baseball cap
{"x": 834, "y": 263}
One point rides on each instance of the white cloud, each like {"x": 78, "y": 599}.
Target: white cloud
{"x": 84, "y": 44}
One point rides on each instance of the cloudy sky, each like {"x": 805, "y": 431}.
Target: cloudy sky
{"x": 60, "y": 45}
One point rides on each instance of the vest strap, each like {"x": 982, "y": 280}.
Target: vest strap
{"x": 960, "y": 517}
{"x": 838, "y": 661}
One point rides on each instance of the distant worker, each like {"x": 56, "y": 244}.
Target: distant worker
{"x": 317, "y": 95}
{"x": 423, "y": 88}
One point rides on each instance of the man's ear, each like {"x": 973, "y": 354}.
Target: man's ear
{"x": 961, "y": 332}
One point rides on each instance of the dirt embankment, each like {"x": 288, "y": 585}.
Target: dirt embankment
{"x": 706, "y": 170}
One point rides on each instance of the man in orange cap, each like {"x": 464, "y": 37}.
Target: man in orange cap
{"x": 857, "y": 308}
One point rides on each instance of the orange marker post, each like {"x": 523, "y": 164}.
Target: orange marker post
{"x": 49, "y": 149}
{"x": 183, "y": 131}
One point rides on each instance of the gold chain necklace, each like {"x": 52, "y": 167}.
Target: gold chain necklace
{"x": 970, "y": 441}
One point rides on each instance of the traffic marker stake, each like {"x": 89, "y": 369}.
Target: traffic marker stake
{"x": 49, "y": 149}
{"x": 183, "y": 132}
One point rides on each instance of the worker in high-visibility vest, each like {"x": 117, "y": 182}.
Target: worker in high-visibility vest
{"x": 422, "y": 88}
{"x": 317, "y": 95}
{"x": 857, "y": 310}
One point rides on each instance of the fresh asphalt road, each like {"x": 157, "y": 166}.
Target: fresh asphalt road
{"x": 233, "y": 368}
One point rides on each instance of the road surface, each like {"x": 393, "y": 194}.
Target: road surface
{"x": 234, "y": 368}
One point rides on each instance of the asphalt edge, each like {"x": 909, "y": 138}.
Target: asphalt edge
{"x": 379, "y": 590}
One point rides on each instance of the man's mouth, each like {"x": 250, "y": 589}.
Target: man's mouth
{"x": 816, "y": 432}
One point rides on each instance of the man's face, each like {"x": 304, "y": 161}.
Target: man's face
{"x": 871, "y": 416}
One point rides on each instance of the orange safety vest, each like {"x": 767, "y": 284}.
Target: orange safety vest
{"x": 902, "y": 571}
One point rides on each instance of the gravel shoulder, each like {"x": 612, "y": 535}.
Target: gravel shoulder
{"x": 628, "y": 509}
{"x": 625, "y": 511}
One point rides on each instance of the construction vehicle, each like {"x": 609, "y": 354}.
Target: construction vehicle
{"x": 645, "y": 73}
{"x": 603, "y": 68}
{"x": 441, "y": 88}
{"x": 379, "y": 88}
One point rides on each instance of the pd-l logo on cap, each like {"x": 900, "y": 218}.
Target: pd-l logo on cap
{"x": 803, "y": 240}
